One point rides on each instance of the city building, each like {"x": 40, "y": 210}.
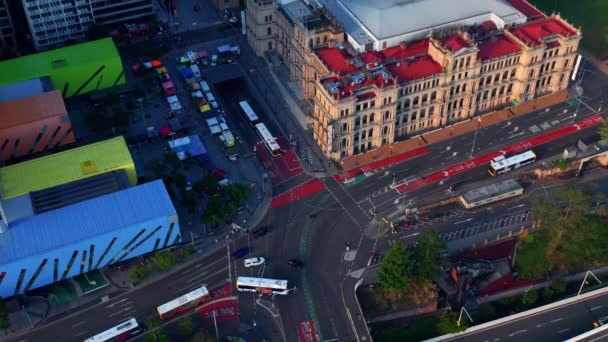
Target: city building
{"x": 34, "y": 124}
{"x": 75, "y": 211}
{"x": 382, "y": 70}
{"x": 73, "y": 70}
{"x": 53, "y": 22}
{"x": 8, "y": 43}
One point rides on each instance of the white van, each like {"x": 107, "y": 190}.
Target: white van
{"x": 196, "y": 71}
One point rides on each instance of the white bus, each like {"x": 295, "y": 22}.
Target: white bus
{"x": 269, "y": 141}
{"x": 184, "y": 303}
{"x": 262, "y": 285}
{"x": 250, "y": 115}
{"x": 121, "y": 332}
{"x": 501, "y": 164}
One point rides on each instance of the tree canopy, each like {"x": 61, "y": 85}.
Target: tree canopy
{"x": 427, "y": 255}
{"x": 571, "y": 237}
{"x": 393, "y": 272}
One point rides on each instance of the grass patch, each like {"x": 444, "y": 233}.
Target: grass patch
{"x": 588, "y": 14}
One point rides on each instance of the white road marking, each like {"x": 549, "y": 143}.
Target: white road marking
{"x": 557, "y": 320}
{"x": 517, "y": 332}
{"x": 515, "y": 135}
{"x": 407, "y": 236}
{"x": 463, "y": 221}
{"x": 563, "y": 330}
{"x": 540, "y": 325}
{"x": 595, "y": 307}
{"x": 121, "y": 311}
{"x": 77, "y": 324}
{"x": 517, "y": 206}
{"x": 81, "y": 333}
{"x": 112, "y": 305}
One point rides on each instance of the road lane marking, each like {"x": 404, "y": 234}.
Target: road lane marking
{"x": 563, "y": 330}
{"x": 191, "y": 285}
{"x": 121, "y": 311}
{"x": 77, "y": 324}
{"x": 463, "y": 221}
{"x": 557, "y": 320}
{"x": 202, "y": 274}
{"x": 595, "y": 307}
{"x": 517, "y": 206}
{"x": 517, "y": 332}
{"x": 81, "y": 333}
{"x": 113, "y": 304}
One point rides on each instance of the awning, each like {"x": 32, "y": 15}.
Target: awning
{"x": 175, "y": 106}
{"x": 168, "y": 84}
{"x": 172, "y": 99}
{"x": 197, "y": 93}
{"x": 165, "y": 131}
{"x": 156, "y": 63}
{"x": 204, "y": 108}
{"x": 148, "y": 65}
{"x": 215, "y": 129}
{"x": 183, "y": 60}
{"x": 203, "y": 54}
{"x": 161, "y": 70}
{"x": 195, "y": 86}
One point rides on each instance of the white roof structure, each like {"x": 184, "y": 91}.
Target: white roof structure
{"x": 395, "y": 21}
{"x": 187, "y": 298}
{"x": 262, "y": 282}
{"x": 502, "y": 161}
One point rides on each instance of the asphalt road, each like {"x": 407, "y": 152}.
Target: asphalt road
{"x": 552, "y": 325}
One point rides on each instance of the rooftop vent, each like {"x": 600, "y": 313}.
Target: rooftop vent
{"x": 357, "y": 78}
{"x": 333, "y": 87}
{"x": 385, "y": 75}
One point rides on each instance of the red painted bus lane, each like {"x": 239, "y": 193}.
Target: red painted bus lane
{"x": 343, "y": 177}
{"x": 437, "y": 176}
{"x": 303, "y": 190}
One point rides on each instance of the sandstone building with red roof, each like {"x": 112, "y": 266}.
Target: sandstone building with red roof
{"x": 371, "y": 80}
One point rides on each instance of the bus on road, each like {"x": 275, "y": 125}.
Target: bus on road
{"x": 262, "y": 285}
{"x": 121, "y": 332}
{"x": 269, "y": 141}
{"x": 184, "y": 303}
{"x": 501, "y": 164}
{"x": 250, "y": 115}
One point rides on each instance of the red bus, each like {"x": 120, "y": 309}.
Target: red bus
{"x": 121, "y": 332}
{"x": 184, "y": 303}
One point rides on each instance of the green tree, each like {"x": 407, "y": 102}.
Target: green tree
{"x": 529, "y": 298}
{"x": 562, "y": 164}
{"x": 202, "y": 336}
{"x": 448, "y": 324}
{"x": 487, "y": 311}
{"x": 212, "y": 217}
{"x": 162, "y": 261}
{"x": 209, "y": 183}
{"x": 237, "y": 192}
{"x": 604, "y": 128}
{"x": 427, "y": 255}
{"x": 5, "y": 322}
{"x": 185, "y": 326}
{"x": 185, "y": 253}
{"x": 531, "y": 261}
{"x": 559, "y": 286}
{"x": 393, "y": 272}
{"x": 157, "y": 335}
{"x": 139, "y": 273}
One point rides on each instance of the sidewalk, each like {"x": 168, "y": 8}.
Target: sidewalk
{"x": 460, "y": 128}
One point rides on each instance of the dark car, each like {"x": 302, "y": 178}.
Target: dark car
{"x": 239, "y": 253}
{"x": 297, "y": 263}
{"x": 260, "y": 232}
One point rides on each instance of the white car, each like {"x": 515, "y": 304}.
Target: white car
{"x": 252, "y": 262}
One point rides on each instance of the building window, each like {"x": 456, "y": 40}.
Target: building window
{"x": 269, "y": 31}
{"x": 269, "y": 45}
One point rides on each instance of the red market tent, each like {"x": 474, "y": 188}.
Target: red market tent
{"x": 156, "y": 63}
{"x": 165, "y": 131}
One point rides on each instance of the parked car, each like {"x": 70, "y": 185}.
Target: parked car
{"x": 239, "y": 253}
{"x": 253, "y": 262}
{"x": 260, "y": 232}
{"x": 224, "y": 182}
{"x": 218, "y": 172}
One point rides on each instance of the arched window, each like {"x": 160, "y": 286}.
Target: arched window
{"x": 406, "y": 104}
{"x": 425, "y": 98}
{"x": 416, "y": 101}
{"x": 371, "y": 117}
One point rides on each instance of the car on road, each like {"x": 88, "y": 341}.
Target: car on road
{"x": 253, "y": 262}
{"x": 239, "y": 253}
{"x": 260, "y": 232}
{"x": 224, "y": 182}
{"x": 219, "y": 173}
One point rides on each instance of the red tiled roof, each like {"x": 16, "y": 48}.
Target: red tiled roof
{"x": 495, "y": 251}
{"x": 505, "y": 283}
{"x": 349, "y": 89}
{"x": 400, "y": 52}
{"x": 497, "y": 47}
{"x": 533, "y": 33}
{"x": 456, "y": 42}
{"x": 487, "y": 26}
{"x": 419, "y": 68}
{"x": 369, "y": 57}
{"x": 336, "y": 60}
{"x": 527, "y": 9}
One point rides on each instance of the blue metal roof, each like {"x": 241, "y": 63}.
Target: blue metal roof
{"x": 85, "y": 220}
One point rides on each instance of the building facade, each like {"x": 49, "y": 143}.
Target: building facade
{"x": 34, "y": 124}
{"x": 53, "y": 22}
{"x": 366, "y": 99}
{"x": 8, "y": 43}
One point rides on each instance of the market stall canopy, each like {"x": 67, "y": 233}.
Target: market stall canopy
{"x": 176, "y": 126}
{"x": 192, "y": 55}
{"x": 224, "y": 126}
{"x": 148, "y": 65}
{"x": 190, "y": 146}
{"x": 204, "y": 108}
{"x": 172, "y": 99}
{"x": 215, "y": 129}
{"x": 165, "y": 131}
{"x": 183, "y": 60}
{"x": 224, "y": 48}
{"x": 186, "y": 72}
{"x": 212, "y": 121}
{"x": 161, "y": 70}
{"x": 156, "y": 63}
{"x": 175, "y": 106}
{"x": 197, "y": 93}
{"x": 168, "y": 85}
{"x": 203, "y": 54}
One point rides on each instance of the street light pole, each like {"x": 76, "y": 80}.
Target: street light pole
{"x": 474, "y": 140}
{"x": 585, "y": 281}
{"x": 217, "y": 333}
